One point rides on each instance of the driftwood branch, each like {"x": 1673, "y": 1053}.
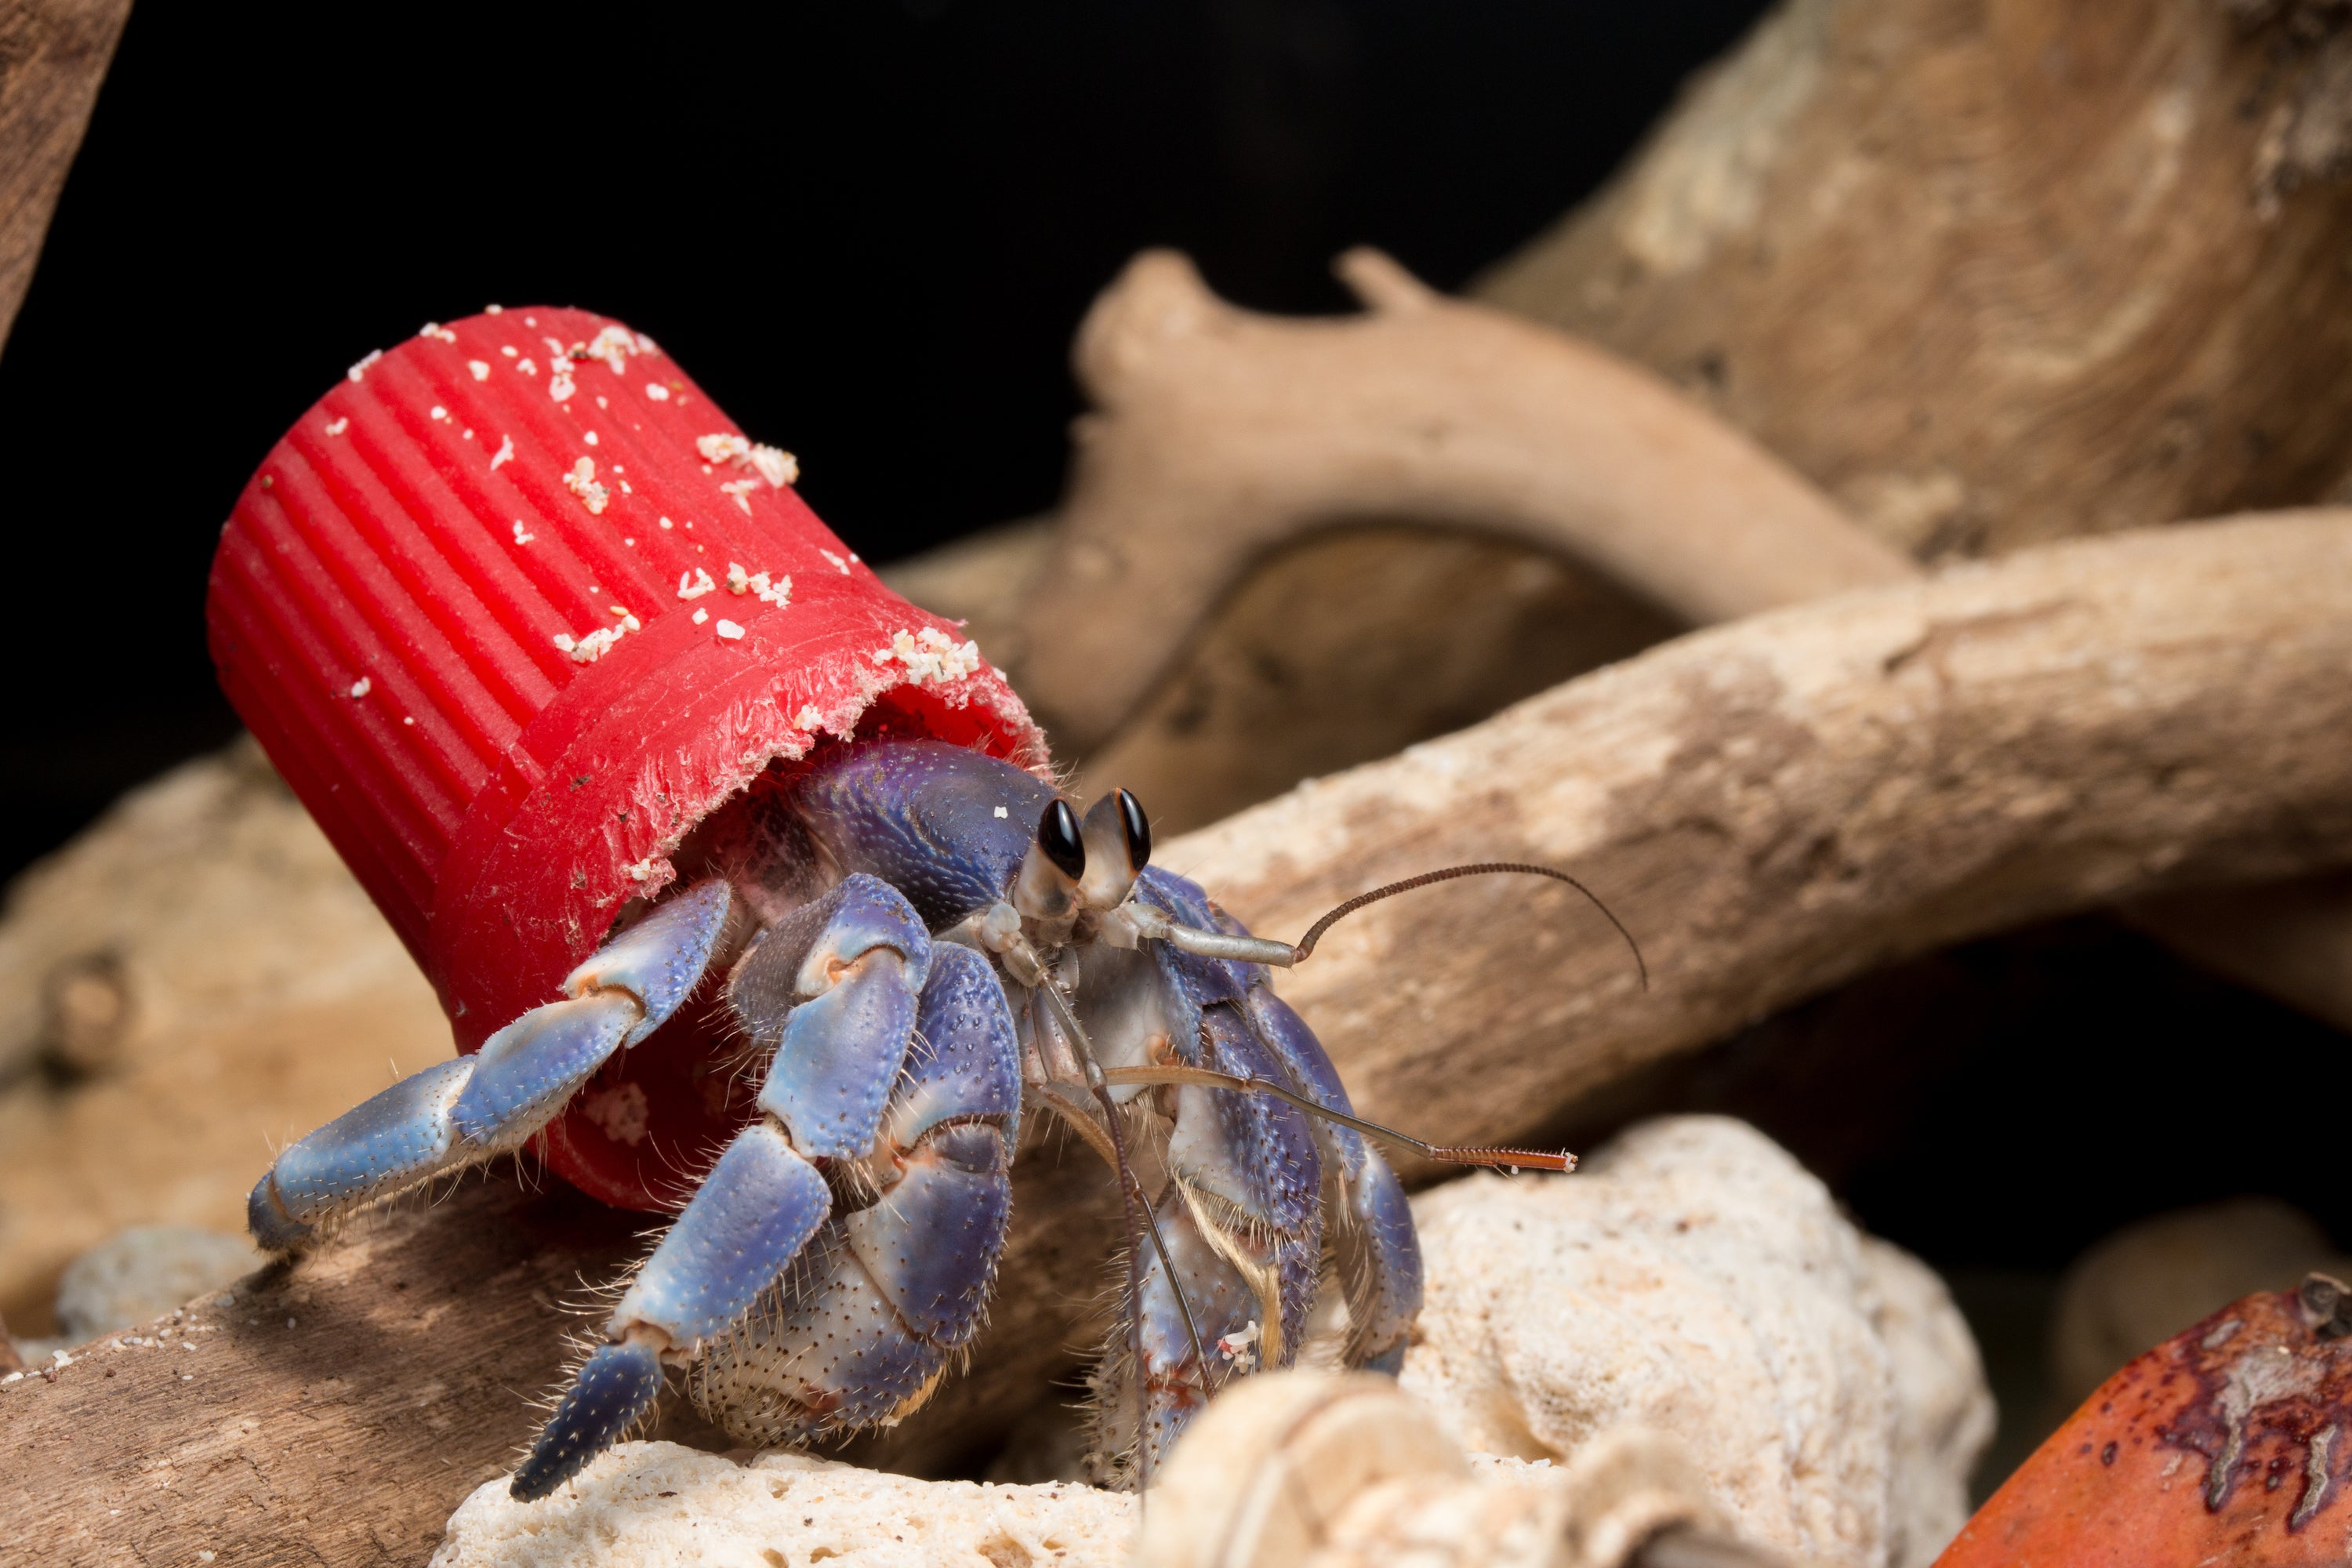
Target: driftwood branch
{"x": 53, "y": 54}
{"x": 333, "y": 1413}
{"x": 1773, "y": 807}
{"x": 336, "y": 1410}
{"x": 1995, "y": 275}
{"x": 1788, "y": 802}
{"x": 1221, "y": 433}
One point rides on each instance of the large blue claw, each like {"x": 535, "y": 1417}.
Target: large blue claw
{"x": 659, "y": 960}
{"x": 528, "y": 1070}
{"x": 390, "y": 1139}
{"x": 862, "y": 974}
{"x": 613, "y": 1389}
{"x": 861, "y": 1327}
{"x": 755, "y": 1211}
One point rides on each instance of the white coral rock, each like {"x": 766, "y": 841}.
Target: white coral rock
{"x": 1695, "y": 1279}
{"x": 657, "y": 1505}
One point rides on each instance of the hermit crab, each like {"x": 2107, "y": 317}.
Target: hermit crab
{"x": 751, "y": 898}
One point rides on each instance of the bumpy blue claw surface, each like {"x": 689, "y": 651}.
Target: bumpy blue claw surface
{"x": 861, "y": 1327}
{"x": 528, "y": 1070}
{"x": 402, "y": 1135}
{"x": 931, "y": 1244}
{"x": 756, "y": 1210}
{"x": 659, "y": 960}
{"x": 851, "y": 985}
{"x": 616, "y": 1386}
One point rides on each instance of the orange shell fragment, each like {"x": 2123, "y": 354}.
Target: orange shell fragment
{"x": 2230, "y": 1443}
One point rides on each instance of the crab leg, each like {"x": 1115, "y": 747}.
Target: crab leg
{"x": 460, "y": 1112}
{"x": 1246, "y": 1235}
{"x": 836, "y": 987}
{"x": 859, "y": 1331}
{"x": 1379, "y": 1254}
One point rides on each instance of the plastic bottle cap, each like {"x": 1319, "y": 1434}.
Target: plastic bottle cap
{"x": 513, "y": 608}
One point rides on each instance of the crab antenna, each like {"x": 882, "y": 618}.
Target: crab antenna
{"x": 1130, "y": 1191}
{"x": 1306, "y": 945}
{"x": 1444, "y": 1154}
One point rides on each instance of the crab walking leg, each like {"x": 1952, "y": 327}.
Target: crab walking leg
{"x": 836, "y": 987}
{"x": 1249, "y": 1169}
{"x": 459, "y": 1112}
{"x": 1173, "y": 1386}
{"x": 1379, "y": 1254}
{"x": 860, "y": 1330}
{"x": 1245, "y": 1233}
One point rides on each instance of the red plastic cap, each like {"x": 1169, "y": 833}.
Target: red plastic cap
{"x": 515, "y": 607}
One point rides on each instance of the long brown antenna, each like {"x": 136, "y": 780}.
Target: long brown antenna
{"x": 1304, "y": 947}
{"x": 1445, "y": 1154}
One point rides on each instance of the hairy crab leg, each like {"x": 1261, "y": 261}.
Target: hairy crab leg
{"x": 835, "y": 986}
{"x": 860, "y": 1328}
{"x": 1079, "y": 1116}
{"x": 459, "y": 1112}
{"x": 1375, "y": 1244}
{"x": 1244, "y": 1240}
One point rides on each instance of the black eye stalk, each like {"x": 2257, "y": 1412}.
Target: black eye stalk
{"x": 1138, "y": 827}
{"x": 1057, "y": 836}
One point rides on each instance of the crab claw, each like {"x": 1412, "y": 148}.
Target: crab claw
{"x": 616, "y": 1386}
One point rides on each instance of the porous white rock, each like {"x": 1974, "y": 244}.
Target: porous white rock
{"x": 1695, "y": 1279}
{"x": 657, "y": 1505}
{"x": 145, "y": 1272}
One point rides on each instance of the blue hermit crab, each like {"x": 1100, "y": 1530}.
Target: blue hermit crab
{"x": 807, "y": 853}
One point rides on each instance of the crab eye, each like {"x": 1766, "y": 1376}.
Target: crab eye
{"x": 1138, "y": 830}
{"x": 1057, "y": 836}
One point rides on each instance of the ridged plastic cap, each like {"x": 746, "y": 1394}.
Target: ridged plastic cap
{"x": 514, "y": 606}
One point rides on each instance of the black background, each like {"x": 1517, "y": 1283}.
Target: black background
{"x": 867, "y": 227}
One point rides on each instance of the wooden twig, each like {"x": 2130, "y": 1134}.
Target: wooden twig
{"x": 53, "y": 55}
{"x": 1221, "y": 433}
{"x": 1781, "y": 803}
{"x": 1992, "y": 277}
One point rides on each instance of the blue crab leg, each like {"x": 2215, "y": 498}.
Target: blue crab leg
{"x": 1378, "y": 1253}
{"x": 1247, "y": 1238}
{"x": 463, "y": 1112}
{"x": 860, "y": 1330}
{"x": 1225, "y": 1308}
{"x": 843, "y": 977}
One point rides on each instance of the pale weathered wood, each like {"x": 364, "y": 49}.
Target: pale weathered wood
{"x": 1992, "y": 273}
{"x": 415, "y": 1349}
{"x": 420, "y": 1348}
{"x": 1226, "y": 433}
{"x": 53, "y": 55}
{"x": 1220, "y": 434}
{"x": 1781, "y": 803}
